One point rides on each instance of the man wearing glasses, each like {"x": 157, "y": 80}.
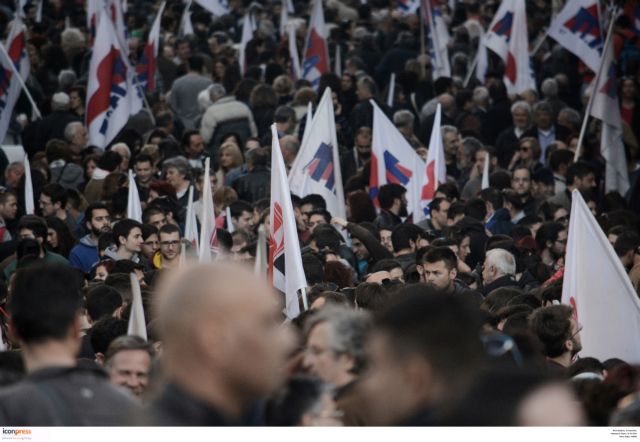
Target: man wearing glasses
{"x": 168, "y": 256}
{"x": 559, "y": 332}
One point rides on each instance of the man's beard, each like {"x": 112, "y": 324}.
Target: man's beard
{"x": 403, "y": 211}
{"x": 98, "y": 232}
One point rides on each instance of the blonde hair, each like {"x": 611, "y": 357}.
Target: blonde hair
{"x": 235, "y": 151}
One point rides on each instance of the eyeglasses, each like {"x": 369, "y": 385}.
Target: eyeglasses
{"x": 169, "y": 243}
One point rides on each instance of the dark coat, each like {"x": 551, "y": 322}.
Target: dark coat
{"x": 503, "y": 281}
{"x": 253, "y": 186}
{"x": 65, "y": 396}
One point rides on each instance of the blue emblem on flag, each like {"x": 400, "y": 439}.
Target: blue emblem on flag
{"x": 504, "y": 26}
{"x": 321, "y": 168}
{"x": 395, "y": 172}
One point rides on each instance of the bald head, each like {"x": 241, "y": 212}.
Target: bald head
{"x": 221, "y": 336}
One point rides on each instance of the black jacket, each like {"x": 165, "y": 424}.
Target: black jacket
{"x": 65, "y": 396}
{"x": 253, "y": 186}
{"x": 386, "y": 220}
{"x": 503, "y": 281}
{"x": 174, "y": 407}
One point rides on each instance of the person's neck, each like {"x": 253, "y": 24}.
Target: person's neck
{"x": 344, "y": 379}
{"x": 124, "y": 253}
{"x": 170, "y": 263}
{"x": 61, "y": 214}
{"x": 436, "y": 225}
{"x": 48, "y": 354}
{"x": 182, "y": 186}
{"x": 547, "y": 258}
{"x": 564, "y": 359}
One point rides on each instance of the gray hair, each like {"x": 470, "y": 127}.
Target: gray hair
{"x": 480, "y": 94}
{"x": 216, "y": 91}
{"x": 503, "y": 261}
{"x": 549, "y": 88}
{"x": 66, "y": 79}
{"x": 542, "y": 106}
{"x": 289, "y": 143}
{"x": 572, "y": 116}
{"x": 60, "y": 102}
{"x": 349, "y": 330}
{"x": 71, "y": 128}
{"x": 403, "y": 118}
{"x": 471, "y": 145}
{"x": 448, "y": 129}
{"x": 180, "y": 163}
{"x": 521, "y": 105}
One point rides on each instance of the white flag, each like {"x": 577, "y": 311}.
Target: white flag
{"x": 284, "y": 19}
{"x": 392, "y": 90}
{"x": 316, "y": 169}
{"x": 436, "y": 167}
{"x": 605, "y": 107}
{"x": 230, "y": 227}
{"x": 134, "y": 209}
{"x": 437, "y": 38}
{"x": 260, "y": 265}
{"x": 29, "y": 200}
{"x": 485, "y": 171}
{"x": 316, "y": 50}
{"x": 483, "y": 60}
{"x": 16, "y": 48}
{"x": 137, "y": 323}
{"x": 248, "y": 26}
{"x": 293, "y": 53}
{"x": 577, "y": 28}
{"x": 285, "y": 261}
{"x": 307, "y": 123}
{"x": 208, "y": 239}
{"x": 507, "y": 36}
{"x": 393, "y": 160}
{"x": 186, "y": 26}
{"x": 190, "y": 230}
{"x": 597, "y": 286}
{"x": 111, "y": 94}
{"x": 216, "y": 7}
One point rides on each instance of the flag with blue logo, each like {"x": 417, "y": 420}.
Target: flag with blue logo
{"x": 315, "y": 58}
{"x": 393, "y": 160}
{"x": 111, "y": 95}
{"x": 316, "y": 169}
{"x": 578, "y": 29}
{"x": 16, "y": 48}
{"x": 507, "y": 37}
{"x": 407, "y": 6}
{"x": 437, "y": 37}
{"x": 606, "y": 108}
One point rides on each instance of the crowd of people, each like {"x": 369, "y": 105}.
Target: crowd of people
{"x": 454, "y": 320}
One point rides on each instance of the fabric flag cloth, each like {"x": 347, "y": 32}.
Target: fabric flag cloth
{"x": 115, "y": 8}
{"x": 392, "y": 89}
{"x": 597, "y": 286}
{"x": 483, "y": 60}
{"x": 111, "y": 94}
{"x": 296, "y": 70}
{"x": 147, "y": 66}
{"x": 284, "y": 19}
{"x": 316, "y": 169}
{"x": 190, "y": 230}
{"x": 307, "y": 123}
{"x": 393, "y": 160}
{"x": 260, "y": 265}
{"x": 208, "y": 235}
{"x": 216, "y": 7}
{"x": 247, "y": 35}
{"x": 605, "y": 107}
{"x": 437, "y": 37}
{"x": 10, "y": 86}
{"x": 436, "y": 167}
{"x": 137, "y": 324}
{"x": 507, "y": 37}
{"x": 577, "y": 28}
{"x": 407, "y": 6}
{"x": 29, "y": 199}
{"x": 134, "y": 209}
{"x": 485, "y": 171}
{"x": 285, "y": 261}
{"x": 227, "y": 213}
{"x": 316, "y": 52}
{"x": 186, "y": 27}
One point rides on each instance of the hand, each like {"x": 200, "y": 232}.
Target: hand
{"x": 339, "y": 221}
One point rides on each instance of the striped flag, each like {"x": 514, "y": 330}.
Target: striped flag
{"x": 18, "y": 60}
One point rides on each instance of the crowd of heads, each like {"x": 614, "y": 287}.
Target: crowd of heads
{"x": 407, "y": 323}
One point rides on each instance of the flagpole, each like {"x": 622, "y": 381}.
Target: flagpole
{"x": 471, "y": 69}
{"x": 22, "y": 83}
{"x": 539, "y": 43}
{"x": 583, "y": 129}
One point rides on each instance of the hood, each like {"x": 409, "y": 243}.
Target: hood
{"x": 87, "y": 241}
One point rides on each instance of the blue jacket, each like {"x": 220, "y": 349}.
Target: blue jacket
{"x": 84, "y": 255}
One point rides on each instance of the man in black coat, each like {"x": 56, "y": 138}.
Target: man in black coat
{"x": 256, "y": 183}
{"x": 45, "y": 305}
{"x": 499, "y": 270}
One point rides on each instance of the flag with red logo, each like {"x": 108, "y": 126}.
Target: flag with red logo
{"x": 316, "y": 169}
{"x": 285, "y": 261}
{"x": 111, "y": 95}
{"x": 208, "y": 235}
{"x": 437, "y": 37}
{"x": 606, "y": 108}
{"x": 436, "y": 168}
{"x": 147, "y": 65}
{"x": 577, "y": 28}
{"x": 597, "y": 286}
{"x": 16, "y": 48}
{"x": 316, "y": 52}
{"x": 393, "y": 160}
{"x": 116, "y": 9}
{"x": 507, "y": 37}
